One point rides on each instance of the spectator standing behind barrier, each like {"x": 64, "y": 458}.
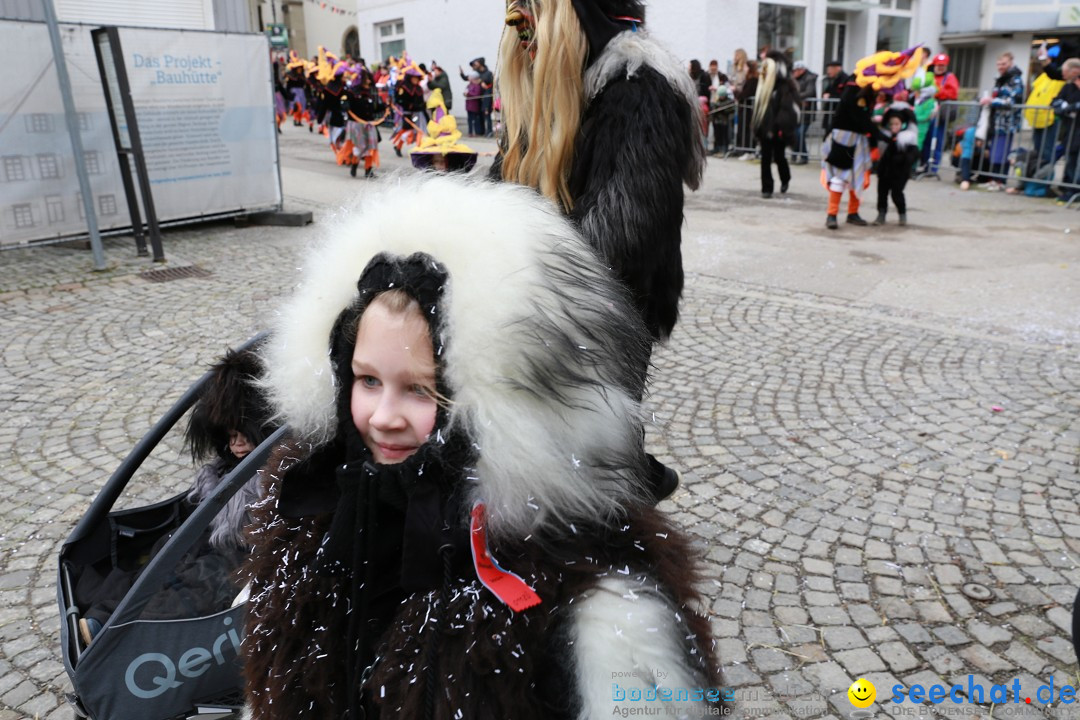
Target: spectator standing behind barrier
{"x": 948, "y": 88}
{"x": 1008, "y": 91}
{"x": 440, "y": 81}
{"x": 807, "y": 83}
{"x": 775, "y": 119}
{"x": 1044, "y": 89}
{"x": 473, "y": 105}
{"x": 720, "y": 107}
{"x": 739, "y": 70}
{"x": 700, "y": 78}
{"x": 745, "y": 98}
{"x": 832, "y": 87}
{"x": 1067, "y": 106}
{"x": 487, "y": 81}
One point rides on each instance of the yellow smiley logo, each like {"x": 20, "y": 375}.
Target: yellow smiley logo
{"x": 862, "y": 693}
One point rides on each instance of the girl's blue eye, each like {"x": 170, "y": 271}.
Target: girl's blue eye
{"x": 423, "y": 391}
{"x": 368, "y": 381}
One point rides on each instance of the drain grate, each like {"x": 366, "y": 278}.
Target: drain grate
{"x": 175, "y": 273}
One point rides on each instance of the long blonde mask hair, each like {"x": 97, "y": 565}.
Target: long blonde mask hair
{"x": 541, "y": 127}
{"x": 766, "y": 83}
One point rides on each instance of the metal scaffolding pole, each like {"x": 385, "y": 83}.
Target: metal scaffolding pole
{"x": 73, "y": 131}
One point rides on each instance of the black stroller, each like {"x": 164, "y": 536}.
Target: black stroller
{"x": 152, "y": 669}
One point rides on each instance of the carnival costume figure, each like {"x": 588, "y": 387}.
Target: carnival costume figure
{"x": 776, "y": 119}
{"x": 846, "y": 162}
{"x": 509, "y": 564}
{"x": 604, "y": 121}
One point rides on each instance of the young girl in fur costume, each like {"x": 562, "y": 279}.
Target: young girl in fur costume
{"x": 228, "y": 421}
{"x": 461, "y": 525}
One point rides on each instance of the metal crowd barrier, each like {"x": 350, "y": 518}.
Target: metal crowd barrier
{"x": 731, "y": 120}
{"x": 1025, "y": 147}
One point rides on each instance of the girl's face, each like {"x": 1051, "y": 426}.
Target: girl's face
{"x": 895, "y": 125}
{"x": 393, "y": 393}
{"x": 239, "y": 445}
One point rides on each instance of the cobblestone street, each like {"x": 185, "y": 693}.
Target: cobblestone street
{"x": 857, "y": 448}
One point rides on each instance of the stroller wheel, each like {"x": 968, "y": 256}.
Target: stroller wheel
{"x": 76, "y": 706}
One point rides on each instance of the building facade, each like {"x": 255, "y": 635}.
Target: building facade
{"x": 455, "y": 31}
{"x": 976, "y": 33}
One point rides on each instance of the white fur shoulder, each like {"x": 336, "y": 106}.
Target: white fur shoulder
{"x": 630, "y": 651}
{"x": 528, "y": 309}
{"x": 627, "y": 53}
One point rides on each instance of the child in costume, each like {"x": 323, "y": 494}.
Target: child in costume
{"x": 900, "y": 154}
{"x": 228, "y": 421}
{"x": 845, "y": 164}
{"x": 409, "y": 108}
{"x": 461, "y": 525}
{"x": 365, "y": 111}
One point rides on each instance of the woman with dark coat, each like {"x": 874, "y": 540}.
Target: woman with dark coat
{"x": 775, "y": 119}
{"x": 744, "y": 96}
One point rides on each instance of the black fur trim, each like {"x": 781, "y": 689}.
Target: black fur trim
{"x": 630, "y": 162}
{"x": 230, "y": 401}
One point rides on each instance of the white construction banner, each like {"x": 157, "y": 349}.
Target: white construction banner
{"x": 204, "y": 108}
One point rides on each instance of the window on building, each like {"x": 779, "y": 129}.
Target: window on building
{"x": 893, "y": 32}
{"x": 351, "y": 43}
{"x": 24, "y": 215}
{"x": 84, "y": 122}
{"x": 54, "y": 208}
{"x": 391, "y": 38}
{"x": 835, "y": 35}
{"x": 106, "y": 204}
{"x": 39, "y": 123}
{"x": 93, "y": 162}
{"x": 966, "y": 62}
{"x": 13, "y": 168}
{"x": 48, "y": 166}
{"x": 781, "y": 27}
{"x": 80, "y": 206}
{"x": 896, "y": 4}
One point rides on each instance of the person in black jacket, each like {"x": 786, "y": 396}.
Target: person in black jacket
{"x": 807, "y": 82}
{"x": 775, "y": 119}
{"x": 440, "y": 80}
{"x": 1067, "y": 107}
{"x": 894, "y": 167}
{"x": 700, "y": 78}
{"x": 832, "y": 88}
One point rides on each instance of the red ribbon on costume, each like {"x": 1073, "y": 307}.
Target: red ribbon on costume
{"x": 505, "y": 585}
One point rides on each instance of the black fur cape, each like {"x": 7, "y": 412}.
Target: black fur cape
{"x": 640, "y": 141}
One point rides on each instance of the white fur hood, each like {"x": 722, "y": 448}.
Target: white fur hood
{"x": 539, "y": 344}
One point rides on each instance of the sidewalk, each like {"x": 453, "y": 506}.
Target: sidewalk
{"x": 868, "y": 422}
